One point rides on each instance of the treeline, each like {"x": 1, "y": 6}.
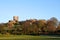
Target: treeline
{"x": 31, "y": 27}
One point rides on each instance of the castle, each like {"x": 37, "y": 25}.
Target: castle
{"x": 12, "y": 22}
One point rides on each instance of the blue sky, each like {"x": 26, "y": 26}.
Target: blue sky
{"x": 29, "y": 9}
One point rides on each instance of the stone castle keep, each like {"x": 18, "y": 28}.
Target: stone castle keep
{"x": 15, "y": 18}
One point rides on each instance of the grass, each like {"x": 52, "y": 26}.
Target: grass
{"x": 27, "y": 37}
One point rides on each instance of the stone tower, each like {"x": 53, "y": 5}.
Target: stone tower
{"x": 15, "y": 18}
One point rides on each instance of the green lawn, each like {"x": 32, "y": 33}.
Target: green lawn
{"x": 27, "y": 37}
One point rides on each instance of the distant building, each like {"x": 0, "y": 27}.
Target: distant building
{"x": 12, "y": 22}
{"x": 15, "y": 18}
{"x": 33, "y": 20}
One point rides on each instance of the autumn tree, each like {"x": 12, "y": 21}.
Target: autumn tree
{"x": 3, "y": 28}
{"x": 52, "y": 24}
{"x": 58, "y": 28}
{"x": 42, "y": 25}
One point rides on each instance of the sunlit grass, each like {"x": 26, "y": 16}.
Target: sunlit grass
{"x": 27, "y": 37}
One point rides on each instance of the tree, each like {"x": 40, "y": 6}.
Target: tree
{"x": 42, "y": 26}
{"x": 26, "y": 25}
{"x": 52, "y": 24}
{"x": 33, "y": 29}
{"x": 2, "y": 28}
{"x": 58, "y": 28}
{"x": 55, "y": 21}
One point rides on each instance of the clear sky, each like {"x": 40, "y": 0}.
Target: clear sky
{"x": 29, "y": 9}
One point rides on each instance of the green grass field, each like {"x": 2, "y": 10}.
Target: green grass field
{"x": 27, "y": 37}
